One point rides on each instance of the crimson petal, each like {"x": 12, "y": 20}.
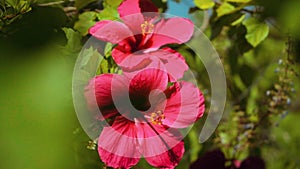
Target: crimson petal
{"x": 173, "y": 30}
{"x": 130, "y": 14}
{"x": 111, "y": 31}
{"x": 99, "y": 98}
{"x": 133, "y": 13}
{"x": 144, "y": 84}
{"x": 174, "y": 62}
{"x": 160, "y": 146}
{"x": 184, "y": 106}
{"x": 118, "y": 145}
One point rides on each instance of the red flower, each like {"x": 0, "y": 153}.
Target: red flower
{"x": 141, "y": 35}
{"x": 145, "y": 113}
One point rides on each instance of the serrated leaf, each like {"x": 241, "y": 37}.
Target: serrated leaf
{"x": 111, "y": 3}
{"x": 239, "y": 1}
{"x": 204, "y": 4}
{"x": 110, "y": 10}
{"x": 79, "y": 4}
{"x": 86, "y": 20}
{"x": 90, "y": 61}
{"x": 224, "y": 9}
{"x": 108, "y": 14}
{"x": 256, "y": 31}
{"x": 73, "y": 40}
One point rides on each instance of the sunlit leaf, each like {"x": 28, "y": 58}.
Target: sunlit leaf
{"x": 107, "y": 49}
{"x": 256, "y": 31}
{"x": 110, "y": 10}
{"x": 111, "y": 3}
{"x": 224, "y": 9}
{"x": 86, "y": 20}
{"x": 220, "y": 22}
{"x": 73, "y": 40}
{"x": 239, "y": 83}
{"x": 238, "y": 21}
{"x": 104, "y": 66}
{"x": 204, "y": 4}
{"x": 108, "y": 14}
{"x": 90, "y": 61}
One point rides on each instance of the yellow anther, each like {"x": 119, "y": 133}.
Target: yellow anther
{"x": 157, "y": 117}
{"x": 147, "y": 27}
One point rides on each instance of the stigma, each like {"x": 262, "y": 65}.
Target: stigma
{"x": 147, "y": 27}
{"x": 157, "y": 117}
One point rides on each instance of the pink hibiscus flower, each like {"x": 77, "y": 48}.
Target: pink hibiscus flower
{"x": 144, "y": 114}
{"x": 141, "y": 35}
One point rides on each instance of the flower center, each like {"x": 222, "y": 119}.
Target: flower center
{"x": 157, "y": 117}
{"x": 147, "y": 27}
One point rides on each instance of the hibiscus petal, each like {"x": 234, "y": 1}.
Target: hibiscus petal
{"x": 173, "y": 30}
{"x": 98, "y": 94}
{"x": 184, "y": 106}
{"x": 126, "y": 60}
{"x": 150, "y": 78}
{"x": 168, "y": 159}
{"x": 129, "y": 7}
{"x": 174, "y": 62}
{"x": 132, "y": 12}
{"x": 160, "y": 146}
{"x": 111, "y": 31}
{"x": 98, "y": 97}
{"x": 144, "y": 83}
{"x": 118, "y": 145}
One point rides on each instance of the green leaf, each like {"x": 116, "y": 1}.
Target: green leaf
{"x": 110, "y": 10}
{"x": 204, "y": 4}
{"x": 104, "y": 66}
{"x": 194, "y": 143}
{"x": 239, "y": 83}
{"x": 238, "y": 21}
{"x": 111, "y": 3}
{"x": 86, "y": 20}
{"x": 107, "y": 49}
{"x": 108, "y": 14}
{"x": 239, "y": 1}
{"x": 79, "y": 4}
{"x": 23, "y": 6}
{"x": 12, "y": 3}
{"x": 73, "y": 40}
{"x": 256, "y": 31}
{"x": 224, "y": 9}
{"x": 91, "y": 60}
